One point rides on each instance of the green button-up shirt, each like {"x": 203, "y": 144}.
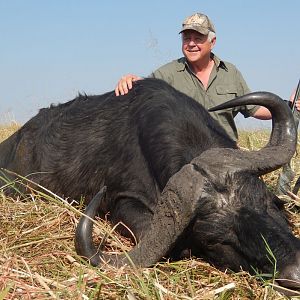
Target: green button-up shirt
{"x": 225, "y": 83}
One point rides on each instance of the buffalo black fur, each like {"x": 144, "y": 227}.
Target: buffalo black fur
{"x": 133, "y": 144}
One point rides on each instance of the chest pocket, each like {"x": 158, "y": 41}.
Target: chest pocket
{"x": 226, "y": 92}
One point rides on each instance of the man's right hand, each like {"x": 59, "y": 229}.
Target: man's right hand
{"x": 125, "y": 84}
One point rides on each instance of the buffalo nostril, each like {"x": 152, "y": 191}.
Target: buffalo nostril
{"x": 288, "y": 283}
{"x": 289, "y": 275}
{"x": 287, "y": 291}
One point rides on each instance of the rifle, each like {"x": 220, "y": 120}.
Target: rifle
{"x": 287, "y": 174}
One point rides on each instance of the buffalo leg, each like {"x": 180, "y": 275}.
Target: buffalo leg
{"x": 134, "y": 214}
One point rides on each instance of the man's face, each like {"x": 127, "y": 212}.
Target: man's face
{"x": 196, "y": 46}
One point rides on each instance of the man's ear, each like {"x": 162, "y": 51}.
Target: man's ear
{"x": 213, "y": 42}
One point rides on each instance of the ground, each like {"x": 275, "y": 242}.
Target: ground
{"x": 38, "y": 259}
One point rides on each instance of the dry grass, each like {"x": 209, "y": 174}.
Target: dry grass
{"x": 38, "y": 260}
{"x": 7, "y": 130}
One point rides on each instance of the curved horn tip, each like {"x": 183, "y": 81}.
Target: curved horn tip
{"x": 84, "y": 245}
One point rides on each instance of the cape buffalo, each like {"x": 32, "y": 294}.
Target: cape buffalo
{"x": 168, "y": 171}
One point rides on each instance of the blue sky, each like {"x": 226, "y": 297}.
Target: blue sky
{"x": 52, "y": 50}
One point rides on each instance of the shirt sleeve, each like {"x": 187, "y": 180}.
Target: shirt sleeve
{"x": 165, "y": 73}
{"x": 158, "y": 74}
{"x": 248, "y": 110}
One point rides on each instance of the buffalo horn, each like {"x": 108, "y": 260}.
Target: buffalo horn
{"x": 282, "y": 143}
{"x": 176, "y": 208}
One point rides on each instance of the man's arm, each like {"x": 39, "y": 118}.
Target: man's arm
{"x": 262, "y": 113}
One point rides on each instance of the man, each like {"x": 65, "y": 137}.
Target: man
{"x": 202, "y": 75}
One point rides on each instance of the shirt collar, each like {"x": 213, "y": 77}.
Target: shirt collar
{"x": 218, "y": 62}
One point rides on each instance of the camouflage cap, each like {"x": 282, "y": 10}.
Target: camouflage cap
{"x": 198, "y": 22}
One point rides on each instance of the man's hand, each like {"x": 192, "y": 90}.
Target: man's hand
{"x": 297, "y": 101}
{"x": 125, "y": 84}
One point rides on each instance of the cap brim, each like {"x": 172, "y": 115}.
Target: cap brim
{"x": 199, "y": 29}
